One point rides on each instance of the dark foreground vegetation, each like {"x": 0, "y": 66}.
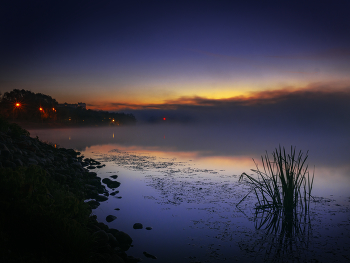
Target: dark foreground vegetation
{"x": 26, "y": 106}
{"x": 43, "y": 214}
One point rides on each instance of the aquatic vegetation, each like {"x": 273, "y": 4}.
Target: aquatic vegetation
{"x": 284, "y": 183}
{"x": 283, "y": 190}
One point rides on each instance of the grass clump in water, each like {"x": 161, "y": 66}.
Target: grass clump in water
{"x": 283, "y": 183}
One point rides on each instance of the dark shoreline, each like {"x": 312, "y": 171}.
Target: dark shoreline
{"x": 23, "y": 156}
{"x": 57, "y": 125}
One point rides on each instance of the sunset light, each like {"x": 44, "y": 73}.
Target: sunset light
{"x": 209, "y": 131}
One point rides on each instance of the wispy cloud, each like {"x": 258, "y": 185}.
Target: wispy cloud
{"x": 252, "y": 62}
{"x": 334, "y": 53}
{"x": 315, "y": 92}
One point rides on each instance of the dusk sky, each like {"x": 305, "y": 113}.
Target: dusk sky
{"x": 119, "y": 55}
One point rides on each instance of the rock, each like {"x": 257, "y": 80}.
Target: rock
{"x": 112, "y": 240}
{"x": 117, "y": 209}
{"x": 94, "y": 228}
{"x": 114, "y": 193}
{"x": 114, "y": 176}
{"x": 10, "y": 164}
{"x": 148, "y": 228}
{"x": 95, "y": 181}
{"x": 100, "y": 236}
{"x": 93, "y": 204}
{"x": 117, "y": 259}
{"x": 91, "y": 194}
{"x": 131, "y": 259}
{"x": 110, "y": 183}
{"x": 110, "y": 218}
{"x": 101, "y": 198}
{"x": 91, "y": 167}
{"x": 32, "y": 161}
{"x": 3, "y": 147}
{"x": 147, "y": 255}
{"x": 137, "y": 226}
{"x": 103, "y": 226}
{"x": 90, "y": 187}
{"x": 124, "y": 239}
{"x": 77, "y": 164}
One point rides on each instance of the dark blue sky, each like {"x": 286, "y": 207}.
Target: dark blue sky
{"x": 109, "y": 53}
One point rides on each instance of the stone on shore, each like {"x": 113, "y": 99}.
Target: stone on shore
{"x": 137, "y": 226}
{"x": 110, "y": 218}
{"x": 101, "y": 198}
{"x": 111, "y": 184}
{"x": 148, "y": 255}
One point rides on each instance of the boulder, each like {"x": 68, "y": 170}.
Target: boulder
{"x": 148, "y": 255}
{"x": 101, "y": 198}
{"x": 32, "y": 161}
{"x": 18, "y": 162}
{"x": 124, "y": 239}
{"x": 100, "y": 236}
{"x": 111, "y": 184}
{"x": 110, "y": 218}
{"x": 112, "y": 240}
{"x": 137, "y": 226}
{"x": 93, "y": 204}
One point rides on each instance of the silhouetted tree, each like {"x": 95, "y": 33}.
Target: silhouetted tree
{"x": 26, "y": 105}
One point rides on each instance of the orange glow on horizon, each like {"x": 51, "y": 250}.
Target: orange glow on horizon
{"x": 247, "y": 98}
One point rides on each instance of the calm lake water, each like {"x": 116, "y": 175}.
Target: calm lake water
{"x": 182, "y": 180}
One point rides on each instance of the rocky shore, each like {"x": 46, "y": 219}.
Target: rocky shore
{"x": 66, "y": 169}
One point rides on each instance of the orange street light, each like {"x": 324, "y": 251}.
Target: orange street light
{"x": 40, "y": 109}
{"x": 18, "y": 104}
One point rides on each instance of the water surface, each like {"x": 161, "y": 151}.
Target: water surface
{"x": 182, "y": 180}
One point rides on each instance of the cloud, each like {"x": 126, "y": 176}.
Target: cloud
{"x": 258, "y": 64}
{"x": 334, "y": 53}
{"x": 317, "y": 106}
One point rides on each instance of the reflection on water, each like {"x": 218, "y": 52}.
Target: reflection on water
{"x": 283, "y": 239}
{"x": 183, "y": 181}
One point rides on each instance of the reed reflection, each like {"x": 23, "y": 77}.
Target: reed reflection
{"x": 281, "y": 237}
{"x": 283, "y": 191}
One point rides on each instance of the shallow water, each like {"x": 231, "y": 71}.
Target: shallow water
{"x": 182, "y": 180}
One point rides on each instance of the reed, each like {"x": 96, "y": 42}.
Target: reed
{"x": 283, "y": 183}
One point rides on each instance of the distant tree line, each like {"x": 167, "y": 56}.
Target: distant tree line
{"x": 24, "y": 105}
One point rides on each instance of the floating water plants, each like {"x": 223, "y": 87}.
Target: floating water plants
{"x": 283, "y": 183}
